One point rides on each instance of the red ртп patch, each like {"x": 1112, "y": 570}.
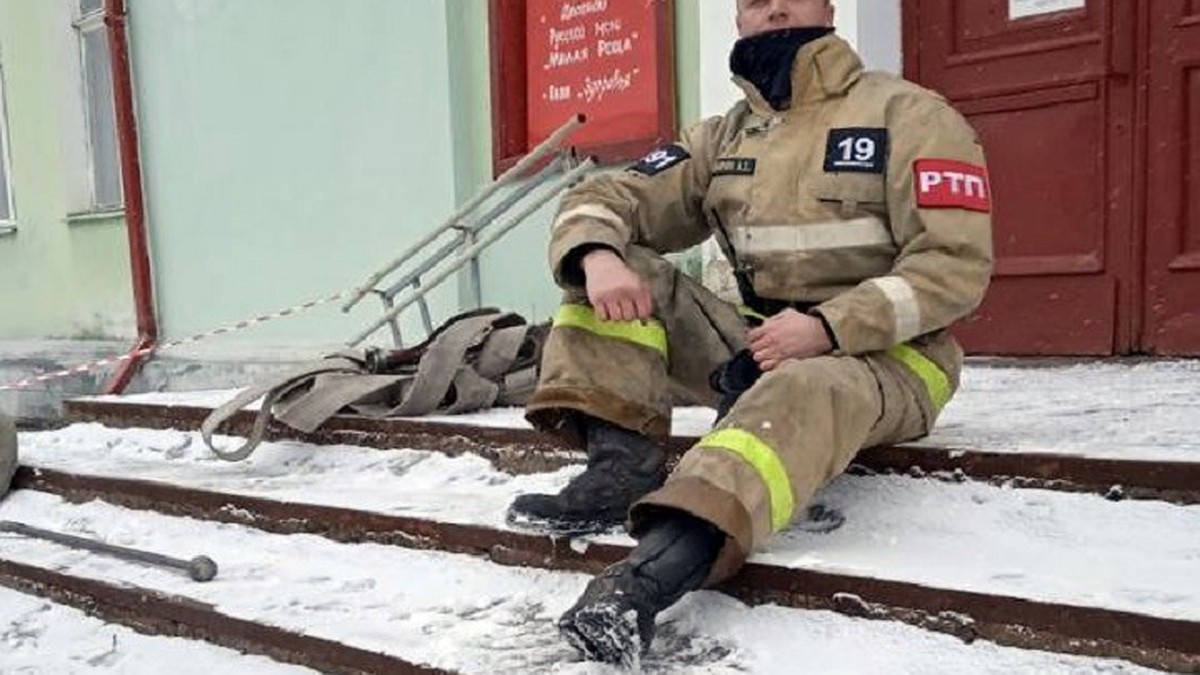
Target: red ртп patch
{"x": 947, "y": 184}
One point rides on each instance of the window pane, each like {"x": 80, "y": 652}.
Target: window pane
{"x": 86, "y": 6}
{"x": 102, "y": 126}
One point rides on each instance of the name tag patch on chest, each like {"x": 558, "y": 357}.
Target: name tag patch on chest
{"x": 946, "y": 183}
{"x": 735, "y": 166}
{"x": 660, "y": 160}
{"x": 857, "y": 150}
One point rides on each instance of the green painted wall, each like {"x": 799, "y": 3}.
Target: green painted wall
{"x": 291, "y": 148}
{"x": 56, "y": 279}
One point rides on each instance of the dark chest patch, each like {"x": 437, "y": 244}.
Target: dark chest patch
{"x": 735, "y": 166}
{"x": 660, "y": 160}
{"x": 857, "y": 150}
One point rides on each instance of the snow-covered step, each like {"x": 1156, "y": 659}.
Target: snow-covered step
{"x": 40, "y": 637}
{"x": 1096, "y": 409}
{"x": 504, "y": 438}
{"x": 1136, "y": 556}
{"x": 905, "y": 541}
{"x": 1169, "y": 643}
{"x": 1099, "y": 409}
{"x": 466, "y": 615}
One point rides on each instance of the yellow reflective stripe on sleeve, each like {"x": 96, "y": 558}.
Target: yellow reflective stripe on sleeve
{"x": 766, "y": 462}
{"x": 936, "y": 382}
{"x": 648, "y": 334}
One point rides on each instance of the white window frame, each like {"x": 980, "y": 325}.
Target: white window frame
{"x": 85, "y": 24}
{"x": 8, "y": 224}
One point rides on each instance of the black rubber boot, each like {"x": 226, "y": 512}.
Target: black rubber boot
{"x": 732, "y": 379}
{"x": 613, "y": 621}
{"x": 623, "y": 466}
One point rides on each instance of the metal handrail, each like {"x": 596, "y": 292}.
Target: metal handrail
{"x": 545, "y": 148}
{"x": 475, "y": 249}
{"x": 537, "y": 181}
{"x": 466, "y": 237}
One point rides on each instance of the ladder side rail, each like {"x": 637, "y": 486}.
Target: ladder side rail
{"x": 527, "y": 162}
{"x": 528, "y": 210}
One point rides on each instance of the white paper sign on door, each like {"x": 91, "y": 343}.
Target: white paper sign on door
{"x": 1018, "y": 9}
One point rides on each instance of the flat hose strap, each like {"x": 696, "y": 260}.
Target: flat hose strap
{"x": 650, "y": 334}
{"x": 510, "y": 359}
{"x": 936, "y": 382}
{"x": 329, "y": 393}
{"x": 765, "y": 462}
{"x": 439, "y": 366}
{"x": 270, "y": 390}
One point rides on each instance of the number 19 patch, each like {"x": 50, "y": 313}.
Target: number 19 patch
{"x": 857, "y": 150}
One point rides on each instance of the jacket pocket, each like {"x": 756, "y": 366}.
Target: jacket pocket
{"x": 857, "y": 193}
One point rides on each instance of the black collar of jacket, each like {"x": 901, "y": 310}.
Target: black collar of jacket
{"x": 823, "y": 68}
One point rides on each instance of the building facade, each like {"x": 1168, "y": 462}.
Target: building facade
{"x": 290, "y": 147}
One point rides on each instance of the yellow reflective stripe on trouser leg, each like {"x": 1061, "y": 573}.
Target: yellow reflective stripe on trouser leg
{"x": 936, "y": 382}
{"x": 646, "y": 333}
{"x": 766, "y": 462}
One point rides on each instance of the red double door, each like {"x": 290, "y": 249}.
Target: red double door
{"x": 1090, "y": 114}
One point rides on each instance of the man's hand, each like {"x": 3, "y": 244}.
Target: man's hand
{"x": 616, "y": 292}
{"x": 788, "y": 335}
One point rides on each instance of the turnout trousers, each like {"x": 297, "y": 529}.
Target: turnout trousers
{"x": 799, "y": 426}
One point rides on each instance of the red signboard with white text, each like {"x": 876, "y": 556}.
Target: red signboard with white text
{"x": 610, "y": 60}
{"x": 597, "y": 57}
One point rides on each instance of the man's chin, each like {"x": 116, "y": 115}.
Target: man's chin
{"x": 769, "y": 29}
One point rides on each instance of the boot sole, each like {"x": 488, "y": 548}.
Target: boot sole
{"x": 558, "y": 527}
{"x": 602, "y": 632}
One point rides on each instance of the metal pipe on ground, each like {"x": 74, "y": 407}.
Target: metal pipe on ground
{"x": 200, "y": 568}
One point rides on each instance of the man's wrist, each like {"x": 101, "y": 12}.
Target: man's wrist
{"x": 572, "y": 263}
{"x": 825, "y": 325}
{"x": 601, "y": 255}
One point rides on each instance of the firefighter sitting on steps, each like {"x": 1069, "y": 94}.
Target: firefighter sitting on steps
{"x": 855, "y": 206}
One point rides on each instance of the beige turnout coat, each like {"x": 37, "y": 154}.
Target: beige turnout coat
{"x": 866, "y": 203}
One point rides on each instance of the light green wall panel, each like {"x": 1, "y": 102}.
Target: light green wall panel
{"x": 291, "y": 147}
{"x": 687, "y": 60}
{"x": 56, "y": 280}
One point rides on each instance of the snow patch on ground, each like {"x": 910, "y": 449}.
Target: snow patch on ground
{"x": 1106, "y": 410}
{"x": 38, "y": 637}
{"x": 465, "y": 614}
{"x": 1137, "y": 556}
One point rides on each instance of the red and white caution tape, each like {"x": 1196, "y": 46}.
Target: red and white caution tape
{"x": 233, "y": 328}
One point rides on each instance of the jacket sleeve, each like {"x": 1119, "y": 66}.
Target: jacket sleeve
{"x": 939, "y": 207}
{"x": 656, "y": 203}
